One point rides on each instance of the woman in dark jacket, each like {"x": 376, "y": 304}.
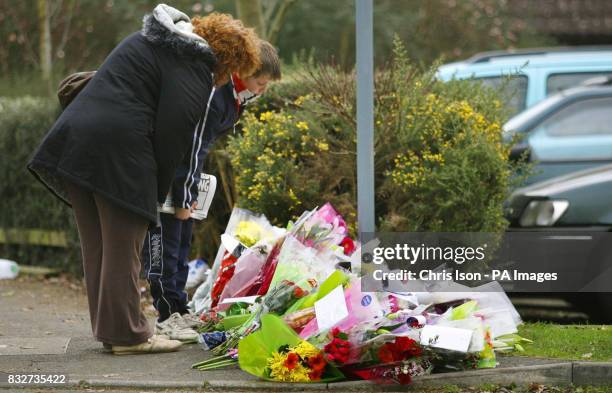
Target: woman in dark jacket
{"x": 113, "y": 152}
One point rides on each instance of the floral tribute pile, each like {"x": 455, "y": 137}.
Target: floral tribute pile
{"x": 286, "y": 304}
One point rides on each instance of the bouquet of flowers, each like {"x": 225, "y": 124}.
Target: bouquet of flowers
{"x": 299, "y": 270}
{"x": 339, "y": 348}
{"x": 396, "y": 361}
{"x": 384, "y": 337}
{"x": 226, "y": 270}
{"x": 321, "y": 229}
{"x": 276, "y": 353}
{"x": 246, "y": 271}
{"x": 244, "y": 226}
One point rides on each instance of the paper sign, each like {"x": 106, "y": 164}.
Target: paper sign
{"x": 245, "y": 299}
{"x": 206, "y": 190}
{"x": 453, "y": 339}
{"x": 331, "y": 309}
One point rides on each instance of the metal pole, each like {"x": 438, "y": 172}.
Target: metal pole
{"x": 365, "y": 115}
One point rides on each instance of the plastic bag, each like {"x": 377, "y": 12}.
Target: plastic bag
{"x": 8, "y": 269}
{"x": 198, "y": 272}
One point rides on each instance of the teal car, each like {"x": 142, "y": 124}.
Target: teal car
{"x": 532, "y": 75}
{"x": 566, "y": 132}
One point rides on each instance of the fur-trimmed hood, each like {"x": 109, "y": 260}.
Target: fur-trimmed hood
{"x": 168, "y": 27}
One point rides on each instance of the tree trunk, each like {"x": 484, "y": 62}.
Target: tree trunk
{"x": 251, "y": 14}
{"x": 45, "y": 41}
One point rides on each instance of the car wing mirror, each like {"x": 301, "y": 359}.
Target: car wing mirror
{"x": 520, "y": 152}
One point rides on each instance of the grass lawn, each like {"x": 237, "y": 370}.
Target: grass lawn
{"x": 575, "y": 342}
{"x": 527, "y": 388}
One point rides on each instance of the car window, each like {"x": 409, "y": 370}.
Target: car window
{"x": 514, "y": 90}
{"x": 585, "y": 117}
{"x": 578, "y": 132}
{"x": 557, "y": 82}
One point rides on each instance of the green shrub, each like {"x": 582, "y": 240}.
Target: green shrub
{"x": 26, "y": 203}
{"x": 440, "y": 162}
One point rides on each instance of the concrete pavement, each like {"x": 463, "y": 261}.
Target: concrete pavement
{"x": 45, "y": 329}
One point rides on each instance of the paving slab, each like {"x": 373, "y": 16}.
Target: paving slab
{"x": 33, "y": 345}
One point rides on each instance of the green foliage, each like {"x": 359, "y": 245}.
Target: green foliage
{"x": 83, "y": 32}
{"x": 26, "y": 203}
{"x": 439, "y": 158}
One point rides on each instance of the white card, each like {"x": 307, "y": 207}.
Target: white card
{"x": 331, "y": 309}
{"x": 245, "y": 299}
{"x": 453, "y": 339}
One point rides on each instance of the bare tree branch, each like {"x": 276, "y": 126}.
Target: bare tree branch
{"x": 249, "y": 11}
{"x": 275, "y": 25}
{"x": 270, "y": 6}
{"x": 64, "y": 40}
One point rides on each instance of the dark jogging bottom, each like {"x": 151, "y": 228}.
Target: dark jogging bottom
{"x": 165, "y": 257}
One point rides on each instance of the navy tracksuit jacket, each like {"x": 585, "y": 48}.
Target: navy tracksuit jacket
{"x": 166, "y": 247}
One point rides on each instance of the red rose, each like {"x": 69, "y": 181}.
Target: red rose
{"x": 385, "y": 353}
{"x": 335, "y": 331}
{"x": 348, "y": 245}
{"x": 298, "y": 292}
{"x": 404, "y": 343}
{"x": 343, "y": 350}
{"x": 342, "y": 358}
{"x": 292, "y": 360}
{"x": 414, "y": 351}
{"x": 331, "y": 348}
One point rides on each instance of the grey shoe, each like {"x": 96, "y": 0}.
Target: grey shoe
{"x": 192, "y": 321}
{"x": 175, "y": 328}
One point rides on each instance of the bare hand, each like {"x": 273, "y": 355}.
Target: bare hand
{"x": 182, "y": 214}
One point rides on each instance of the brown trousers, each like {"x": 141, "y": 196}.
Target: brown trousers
{"x": 111, "y": 243}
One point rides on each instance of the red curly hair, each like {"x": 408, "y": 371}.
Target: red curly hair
{"x": 235, "y": 46}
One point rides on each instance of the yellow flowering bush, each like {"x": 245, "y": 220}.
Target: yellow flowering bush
{"x": 270, "y": 157}
{"x": 440, "y": 161}
{"x": 445, "y": 163}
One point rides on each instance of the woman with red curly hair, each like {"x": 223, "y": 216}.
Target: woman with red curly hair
{"x": 235, "y": 53}
{"x": 113, "y": 152}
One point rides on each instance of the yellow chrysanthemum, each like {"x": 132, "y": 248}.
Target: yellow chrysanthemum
{"x": 248, "y": 232}
{"x": 306, "y": 349}
{"x": 276, "y": 364}
{"x": 278, "y": 370}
